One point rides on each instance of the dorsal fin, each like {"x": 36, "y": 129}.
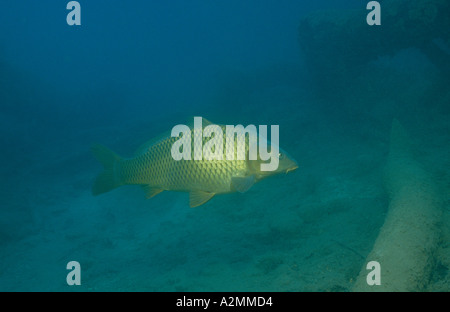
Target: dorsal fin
{"x": 145, "y": 146}
{"x": 205, "y": 122}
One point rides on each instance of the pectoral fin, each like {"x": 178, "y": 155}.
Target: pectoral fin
{"x": 243, "y": 184}
{"x": 197, "y": 198}
{"x": 151, "y": 191}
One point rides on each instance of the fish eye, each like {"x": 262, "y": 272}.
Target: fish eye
{"x": 280, "y": 155}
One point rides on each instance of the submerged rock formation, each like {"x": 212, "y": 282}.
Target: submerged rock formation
{"x": 338, "y": 44}
{"x": 407, "y": 242}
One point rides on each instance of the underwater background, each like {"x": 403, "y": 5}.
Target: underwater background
{"x": 133, "y": 70}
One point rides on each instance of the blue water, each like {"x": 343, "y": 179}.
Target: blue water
{"x": 132, "y": 71}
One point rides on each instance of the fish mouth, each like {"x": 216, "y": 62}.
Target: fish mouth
{"x": 291, "y": 169}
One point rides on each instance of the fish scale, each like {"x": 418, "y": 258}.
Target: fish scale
{"x": 157, "y": 168}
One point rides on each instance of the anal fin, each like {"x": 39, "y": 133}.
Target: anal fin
{"x": 198, "y": 198}
{"x": 151, "y": 191}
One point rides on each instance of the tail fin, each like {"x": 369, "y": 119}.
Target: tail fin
{"x": 107, "y": 180}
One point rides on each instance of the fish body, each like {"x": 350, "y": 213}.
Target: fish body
{"x": 154, "y": 168}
